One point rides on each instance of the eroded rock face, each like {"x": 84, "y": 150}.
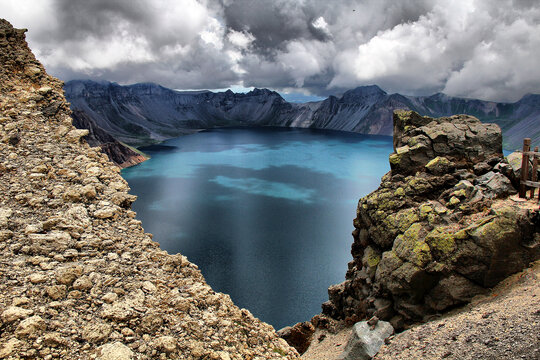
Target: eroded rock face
{"x": 439, "y": 230}
{"x": 458, "y": 139}
{"x": 79, "y": 277}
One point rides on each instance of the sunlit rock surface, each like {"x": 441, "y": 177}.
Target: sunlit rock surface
{"x": 79, "y": 278}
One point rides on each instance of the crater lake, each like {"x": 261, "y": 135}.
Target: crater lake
{"x": 266, "y": 213}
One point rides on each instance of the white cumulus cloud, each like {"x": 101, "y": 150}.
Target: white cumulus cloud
{"x": 487, "y": 49}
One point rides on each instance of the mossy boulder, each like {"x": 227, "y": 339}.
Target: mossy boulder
{"x": 440, "y": 165}
{"x": 420, "y": 140}
{"x": 441, "y": 242}
{"x": 410, "y": 246}
{"x": 432, "y": 236}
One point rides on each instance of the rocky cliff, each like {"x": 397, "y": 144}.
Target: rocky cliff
{"x": 440, "y": 229}
{"x": 79, "y": 278}
{"x": 144, "y": 113}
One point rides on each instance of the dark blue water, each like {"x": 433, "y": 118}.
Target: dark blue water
{"x": 266, "y": 214}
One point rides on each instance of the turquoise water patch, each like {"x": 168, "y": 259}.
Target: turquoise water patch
{"x": 266, "y": 214}
{"x": 323, "y": 157}
{"x": 267, "y": 188}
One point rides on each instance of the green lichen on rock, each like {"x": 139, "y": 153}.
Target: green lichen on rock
{"x": 383, "y": 200}
{"x": 411, "y": 246}
{"x": 406, "y": 218}
{"x": 425, "y": 210}
{"x": 371, "y": 258}
{"x": 461, "y": 193}
{"x": 461, "y": 234}
{"x": 418, "y": 186}
{"x": 429, "y": 213}
{"x": 401, "y": 221}
{"x": 394, "y": 159}
{"x": 441, "y": 242}
{"x": 439, "y": 165}
{"x": 453, "y": 201}
{"x": 402, "y": 150}
{"x": 503, "y": 228}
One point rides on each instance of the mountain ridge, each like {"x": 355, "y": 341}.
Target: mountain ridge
{"x": 145, "y": 113}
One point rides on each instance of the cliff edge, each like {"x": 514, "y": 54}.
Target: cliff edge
{"x": 443, "y": 229}
{"x": 79, "y": 278}
{"x": 440, "y": 229}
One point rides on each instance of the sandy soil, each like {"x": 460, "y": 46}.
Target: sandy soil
{"x": 330, "y": 345}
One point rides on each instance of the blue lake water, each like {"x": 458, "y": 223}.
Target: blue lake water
{"x": 266, "y": 213}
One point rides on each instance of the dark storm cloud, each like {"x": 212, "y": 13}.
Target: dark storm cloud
{"x": 99, "y": 17}
{"x": 274, "y": 23}
{"x": 475, "y": 48}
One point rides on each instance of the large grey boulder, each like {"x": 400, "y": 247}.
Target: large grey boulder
{"x": 366, "y": 340}
{"x": 495, "y": 185}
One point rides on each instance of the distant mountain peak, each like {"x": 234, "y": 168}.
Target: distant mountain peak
{"x": 369, "y": 91}
{"x": 264, "y": 92}
{"x": 530, "y": 99}
{"x": 142, "y": 112}
{"x": 439, "y": 95}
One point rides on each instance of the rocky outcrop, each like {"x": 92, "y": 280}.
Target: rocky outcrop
{"x": 439, "y": 145}
{"x": 79, "y": 277}
{"x": 439, "y": 230}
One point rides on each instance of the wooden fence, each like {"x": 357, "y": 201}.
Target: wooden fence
{"x": 525, "y": 183}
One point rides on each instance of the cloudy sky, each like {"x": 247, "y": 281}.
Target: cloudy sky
{"x": 487, "y": 49}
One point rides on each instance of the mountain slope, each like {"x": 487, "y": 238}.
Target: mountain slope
{"x": 79, "y": 277}
{"x": 120, "y": 154}
{"x": 145, "y": 113}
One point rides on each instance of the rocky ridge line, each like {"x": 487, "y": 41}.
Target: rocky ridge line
{"x": 120, "y": 154}
{"x": 79, "y": 278}
{"x": 146, "y": 113}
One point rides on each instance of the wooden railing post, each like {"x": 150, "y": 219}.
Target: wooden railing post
{"x": 524, "y": 167}
{"x": 534, "y": 172}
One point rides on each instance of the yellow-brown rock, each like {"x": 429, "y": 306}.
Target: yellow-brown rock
{"x": 95, "y": 284}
